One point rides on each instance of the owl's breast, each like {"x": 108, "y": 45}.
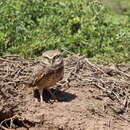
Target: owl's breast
{"x": 52, "y": 77}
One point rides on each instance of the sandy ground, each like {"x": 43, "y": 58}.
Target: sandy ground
{"x": 80, "y": 107}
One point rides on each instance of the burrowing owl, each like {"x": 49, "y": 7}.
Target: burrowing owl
{"x": 49, "y": 71}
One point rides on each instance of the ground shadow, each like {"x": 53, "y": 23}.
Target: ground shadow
{"x": 60, "y": 95}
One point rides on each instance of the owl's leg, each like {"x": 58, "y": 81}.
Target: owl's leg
{"x": 53, "y": 96}
{"x": 41, "y": 96}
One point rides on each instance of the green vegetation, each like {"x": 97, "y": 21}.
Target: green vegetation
{"x": 120, "y": 7}
{"x": 29, "y": 27}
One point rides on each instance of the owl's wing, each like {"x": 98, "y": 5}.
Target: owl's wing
{"x": 39, "y": 71}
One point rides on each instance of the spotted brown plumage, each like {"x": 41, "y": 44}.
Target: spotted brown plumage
{"x": 49, "y": 70}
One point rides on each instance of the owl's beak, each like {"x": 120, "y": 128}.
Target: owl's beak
{"x": 51, "y": 62}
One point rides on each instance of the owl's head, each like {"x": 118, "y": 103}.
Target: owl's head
{"x": 52, "y": 58}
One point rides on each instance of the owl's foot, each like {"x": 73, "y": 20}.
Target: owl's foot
{"x": 53, "y": 96}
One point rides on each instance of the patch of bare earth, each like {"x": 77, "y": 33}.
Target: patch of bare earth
{"x": 90, "y": 97}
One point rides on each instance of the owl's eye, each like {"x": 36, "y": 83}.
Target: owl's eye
{"x": 46, "y": 60}
{"x": 45, "y": 57}
{"x": 57, "y": 59}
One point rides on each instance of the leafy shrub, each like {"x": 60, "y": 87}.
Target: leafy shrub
{"x": 29, "y": 27}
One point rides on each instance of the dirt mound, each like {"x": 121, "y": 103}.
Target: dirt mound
{"x": 93, "y": 97}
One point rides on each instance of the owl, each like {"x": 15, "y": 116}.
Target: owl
{"x": 49, "y": 71}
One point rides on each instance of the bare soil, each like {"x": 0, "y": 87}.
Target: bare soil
{"x": 84, "y": 103}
